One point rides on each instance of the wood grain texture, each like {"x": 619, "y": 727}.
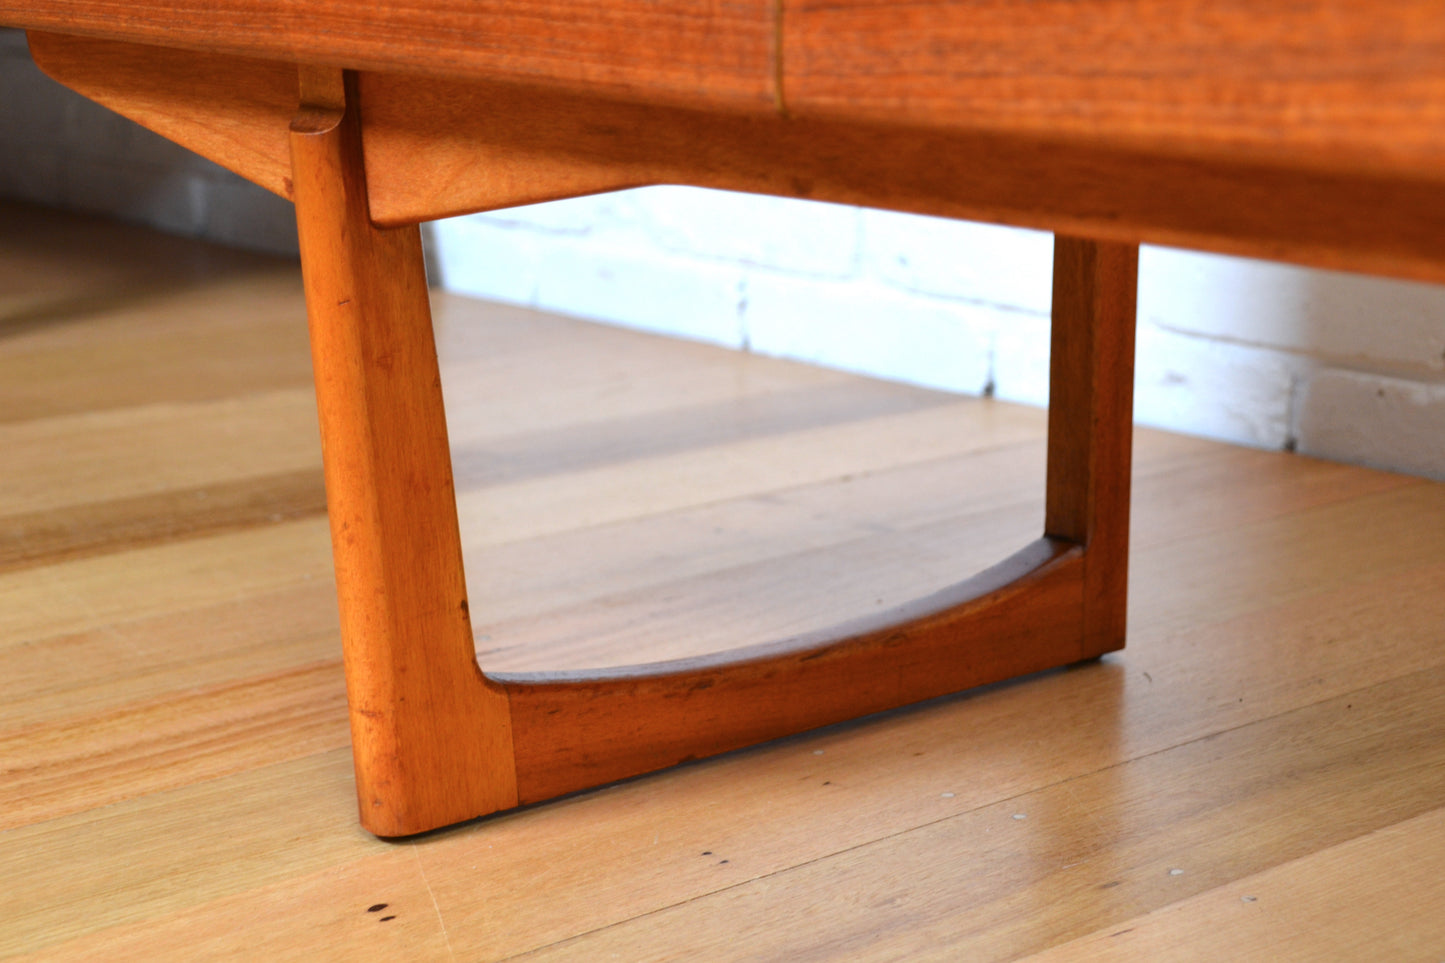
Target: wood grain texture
{"x": 431, "y": 738}
{"x": 230, "y": 109}
{"x": 1323, "y": 84}
{"x": 1018, "y": 875}
{"x": 1273, "y": 728}
{"x": 715, "y": 52}
{"x": 90, "y": 527}
{"x": 207, "y": 732}
{"x": 1303, "y": 909}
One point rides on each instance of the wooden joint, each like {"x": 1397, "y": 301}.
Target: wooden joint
{"x": 323, "y": 99}
{"x": 322, "y": 86}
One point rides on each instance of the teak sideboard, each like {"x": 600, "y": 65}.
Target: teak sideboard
{"x": 1311, "y": 132}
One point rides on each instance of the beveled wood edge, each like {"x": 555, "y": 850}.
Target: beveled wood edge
{"x": 575, "y": 730}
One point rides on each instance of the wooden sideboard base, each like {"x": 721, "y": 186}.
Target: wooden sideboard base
{"x": 436, "y": 742}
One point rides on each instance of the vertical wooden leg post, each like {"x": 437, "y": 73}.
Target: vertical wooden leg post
{"x": 430, "y": 736}
{"x": 1091, "y": 407}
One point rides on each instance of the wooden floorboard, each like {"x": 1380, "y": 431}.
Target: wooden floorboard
{"x": 1259, "y": 775}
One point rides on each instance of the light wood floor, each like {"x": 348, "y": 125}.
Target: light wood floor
{"x": 1260, "y": 775}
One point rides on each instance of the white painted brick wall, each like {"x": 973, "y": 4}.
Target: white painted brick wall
{"x": 861, "y": 325}
{"x": 1337, "y": 365}
{"x": 586, "y": 258}
{"x": 1342, "y": 412}
{"x": 1261, "y": 354}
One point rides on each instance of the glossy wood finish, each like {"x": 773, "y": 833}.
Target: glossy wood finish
{"x": 173, "y": 728}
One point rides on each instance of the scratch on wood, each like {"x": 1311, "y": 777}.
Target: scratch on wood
{"x": 427, "y": 883}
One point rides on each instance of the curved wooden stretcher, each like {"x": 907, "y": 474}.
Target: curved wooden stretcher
{"x": 373, "y": 121}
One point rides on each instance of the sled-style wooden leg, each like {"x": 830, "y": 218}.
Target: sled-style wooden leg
{"x": 436, "y": 742}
